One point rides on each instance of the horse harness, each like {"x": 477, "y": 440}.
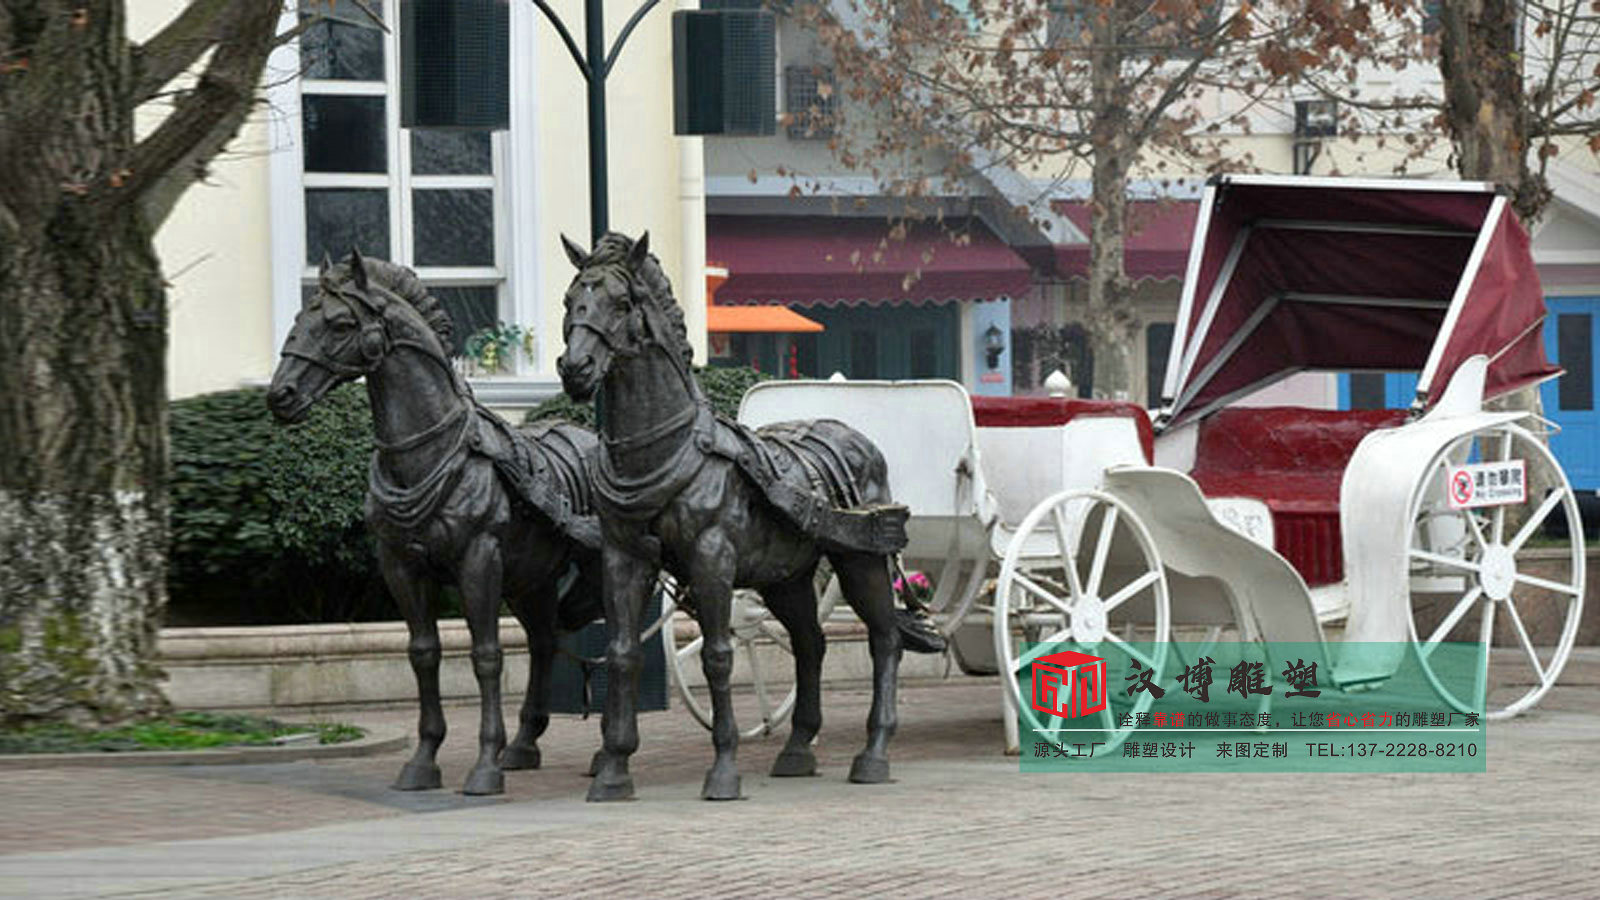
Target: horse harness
{"x": 801, "y": 474}
{"x": 545, "y": 474}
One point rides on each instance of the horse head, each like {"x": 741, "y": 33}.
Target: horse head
{"x": 604, "y": 316}
{"x": 344, "y": 330}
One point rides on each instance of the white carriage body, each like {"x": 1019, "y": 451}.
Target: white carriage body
{"x": 926, "y": 434}
{"x": 1285, "y": 275}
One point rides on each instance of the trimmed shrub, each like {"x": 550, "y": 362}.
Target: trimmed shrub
{"x": 267, "y": 520}
{"x": 726, "y": 387}
{"x": 723, "y": 387}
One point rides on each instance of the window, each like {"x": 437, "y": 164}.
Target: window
{"x": 1368, "y": 390}
{"x": 809, "y": 101}
{"x": 1574, "y": 350}
{"x": 435, "y": 201}
{"x": 1146, "y": 33}
{"x": 1064, "y": 26}
{"x": 1041, "y": 349}
{"x": 1316, "y": 118}
{"x": 863, "y": 354}
{"x": 924, "y": 353}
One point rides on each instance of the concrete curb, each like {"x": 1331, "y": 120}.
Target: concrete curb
{"x": 371, "y": 745}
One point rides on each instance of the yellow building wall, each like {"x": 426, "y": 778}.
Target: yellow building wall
{"x": 215, "y": 251}
{"x": 644, "y": 162}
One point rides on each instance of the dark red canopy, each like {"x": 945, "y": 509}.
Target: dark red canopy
{"x": 829, "y": 261}
{"x": 1288, "y": 274}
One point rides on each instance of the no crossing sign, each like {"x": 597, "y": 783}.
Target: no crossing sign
{"x": 1488, "y": 484}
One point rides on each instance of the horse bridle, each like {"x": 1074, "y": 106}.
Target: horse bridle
{"x": 623, "y": 337}
{"x": 373, "y": 338}
{"x": 376, "y": 343}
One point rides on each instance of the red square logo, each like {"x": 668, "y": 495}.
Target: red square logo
{"x": 1069, "y": 684}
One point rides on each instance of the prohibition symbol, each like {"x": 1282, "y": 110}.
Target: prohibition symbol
{"x": 1461, "y": 488}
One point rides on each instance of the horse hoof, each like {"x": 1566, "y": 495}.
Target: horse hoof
{"x": 485, "y": 781}
{"x": 516, "y": 757}
{"x": 594, "y": 763}
{"x": 869, "y": 770}
{"x": 794, "y": 764}
{"x": 418, "y": 777}
{"x": 721, "y": 785}
{"x": 605, "y": 790}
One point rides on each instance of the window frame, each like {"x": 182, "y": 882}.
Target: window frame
{"x": 800, "y": 82}
{"x": 512, "y": 177}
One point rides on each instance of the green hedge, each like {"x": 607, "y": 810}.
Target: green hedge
{"x": 724, "y": 386}
{"x": 267, "y": 520}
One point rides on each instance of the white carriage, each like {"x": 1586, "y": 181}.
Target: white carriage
{"x": 1266, "y": 524}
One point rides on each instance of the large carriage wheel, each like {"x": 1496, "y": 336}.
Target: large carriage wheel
{"x": 755, "y": 632}
{"x": 1102, "y": 569}
{"x": 1469, "y": 568}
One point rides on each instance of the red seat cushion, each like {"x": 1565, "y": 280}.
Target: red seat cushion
{"x": 1041, "y": 412}
{"x": 1292, "y": 459}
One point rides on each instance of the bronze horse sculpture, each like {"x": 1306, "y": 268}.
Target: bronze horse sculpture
{"x": 719, "y": 507}
{"x": 455, "y": 496}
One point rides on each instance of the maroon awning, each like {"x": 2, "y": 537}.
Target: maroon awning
{"x": 833, "y": 261}
{"x": 1331, "y": 274}
{"x": 1159, "y": 234}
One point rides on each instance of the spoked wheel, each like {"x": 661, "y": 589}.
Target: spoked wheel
{"x": 755, "y": 632}
{"x": 1081, "y": 564}
{"x": 1469, "y": 568}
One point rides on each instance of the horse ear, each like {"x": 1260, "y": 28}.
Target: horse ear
{"x": 327, "y": 263}
{"x": 574, "y": 252}
{"x": 641, "y": 250}
{"x": 358, "y": 269}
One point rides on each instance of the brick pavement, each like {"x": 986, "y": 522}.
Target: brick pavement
{"x": 959, "y": 820}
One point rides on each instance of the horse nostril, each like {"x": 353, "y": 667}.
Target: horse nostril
{"x": 281, "y": 395}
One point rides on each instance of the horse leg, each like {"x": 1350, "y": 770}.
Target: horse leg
{"x": 414, "y": 592}
{"x": 711, "y": 583}
{"x": 794, "y": 604}
{"x": 865, "y": 580}
{"x": 627, "y": 583}
{"x": 538, "y": 620}
{"x": 479, "y": 578}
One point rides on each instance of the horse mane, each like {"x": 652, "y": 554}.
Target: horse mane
{"x": 404, "y": 284}
{"x": 615, "y": 249}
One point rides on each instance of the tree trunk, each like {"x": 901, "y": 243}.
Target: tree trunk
{"x": 83, "y": 319}
{"x": 1480, "y": 59}
{"x": 83, "y": 480}
{"x": 1111, "y": 319}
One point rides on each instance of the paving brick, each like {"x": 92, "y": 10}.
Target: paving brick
{"x": 959, "y": 821}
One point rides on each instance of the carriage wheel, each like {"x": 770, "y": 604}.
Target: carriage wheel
{"x": 755, "y": 631}
{"x": 1102, "y": 570}
{"x": 1469, "y": 568}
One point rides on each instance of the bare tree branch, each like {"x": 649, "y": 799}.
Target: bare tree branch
{"x": 175, "y": 155}
{"x": 180, "y": 44}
